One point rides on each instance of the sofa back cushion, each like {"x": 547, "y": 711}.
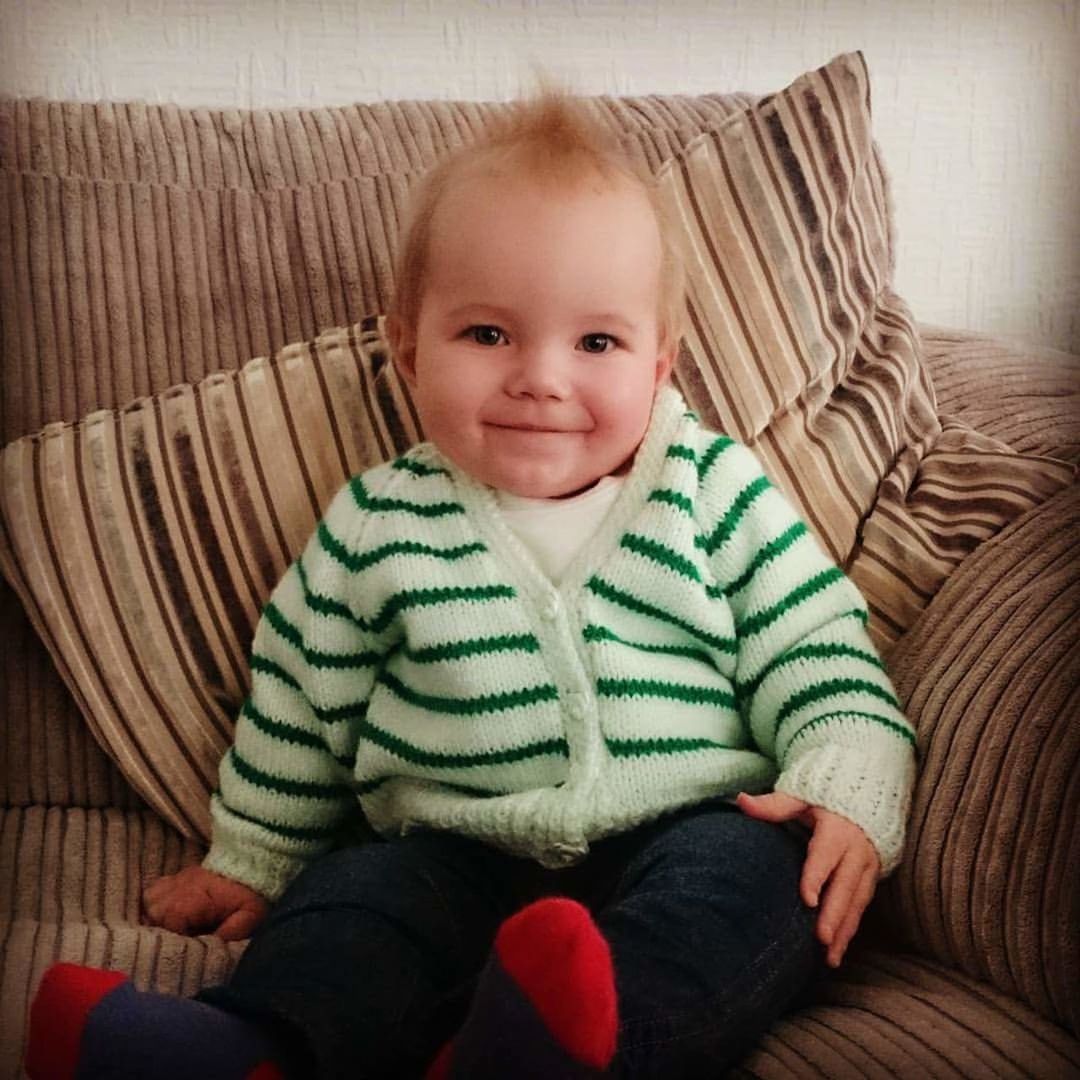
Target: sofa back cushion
{"x": 798, "y": 346}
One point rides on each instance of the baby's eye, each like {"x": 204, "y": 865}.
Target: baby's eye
{"x": 486, "y": 335}
{"x": 597, "y": 343}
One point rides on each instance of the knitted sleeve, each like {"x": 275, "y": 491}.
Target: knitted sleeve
{"x": 286, "y": 783}
{"x": 809, "y": 681}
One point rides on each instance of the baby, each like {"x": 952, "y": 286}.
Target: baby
{"x": 580, "y": 665}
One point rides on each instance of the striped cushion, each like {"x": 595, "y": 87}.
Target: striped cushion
{"x": 143, "y": 542}
{"x": 798, "y": 346}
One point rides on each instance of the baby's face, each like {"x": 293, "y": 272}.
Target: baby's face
{"x": 536, "y": 358}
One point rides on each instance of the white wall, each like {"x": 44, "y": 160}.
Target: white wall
{"x": 977, "y": 102}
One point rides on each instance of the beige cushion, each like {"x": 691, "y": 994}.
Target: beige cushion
{"x": 799, "y": 347}
{"x": 144, "y": 542}
{"x": 989, "y": 881}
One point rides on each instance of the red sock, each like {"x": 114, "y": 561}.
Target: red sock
{"x": 545, "y": 1005}
{"x": 82, "y": 1017}
{"x": 58, "y": 1015}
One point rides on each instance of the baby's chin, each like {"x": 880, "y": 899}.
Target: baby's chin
{"x": 546, "y": 489}
{"x": 541, "y": 486}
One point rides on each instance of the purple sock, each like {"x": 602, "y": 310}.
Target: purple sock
{"x": 86, "y": 1023}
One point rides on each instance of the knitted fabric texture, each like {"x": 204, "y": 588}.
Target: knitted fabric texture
{"x": 416, "y": 658}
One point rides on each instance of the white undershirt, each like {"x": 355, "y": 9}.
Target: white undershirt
{"x": 555, "y": 530}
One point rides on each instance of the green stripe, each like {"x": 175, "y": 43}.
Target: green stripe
{"x": 458, "y": 650}
{"x": 652, "y": 747}
{"x": 721, "y": 443}
{"x": 672, "y": 498}
{"x": 730, "y": 522}
{"x": 754, "y": 624}
{"x": 594, "y": 633}
{"x": 810, "y": 652}
{"x": 772, "y": 550}
{"x": 356, "y": 562}
{"x": 265, "y": 666}
{"x": 290, "y": 832}
{"x": 417, "y": 756}
{"x": 410, "y": 598}
{"x": 661, "y": 554}
{"x": 473, "y": 706}
{"x": 274, "y": 616}
{"x": 327, "y": 715}
{"x": 829, "y": 688}
{"x": 658, "y": 688}
{"x": 686, "y": 453}
{"x": 897, "y": 729}
{"x": 282, "y": 785}
{"x": 640, "y": 607}
{"x": 285, "y": 732}
{"x": 403, "y": 506}
{"x": 321, "y": 605}
{"x": 316, "y": 657}
{"x": 417, "y": 468}
{"x": 351, "y": 710}
{"x": 368, "y": 786}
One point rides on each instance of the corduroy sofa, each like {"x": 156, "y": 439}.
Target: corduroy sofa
{"x": 157, "y": 478}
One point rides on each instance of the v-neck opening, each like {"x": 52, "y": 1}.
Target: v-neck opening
{"x": 482, "y": 507}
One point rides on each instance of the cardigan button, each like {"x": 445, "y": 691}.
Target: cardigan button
{"x": 550, "y": 610}
{"x": 575, "y": 704}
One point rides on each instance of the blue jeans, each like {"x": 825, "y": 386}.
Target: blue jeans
{"x": 368, "y": 963}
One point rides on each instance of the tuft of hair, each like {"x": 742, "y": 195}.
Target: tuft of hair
{"x": 553, "y": 139}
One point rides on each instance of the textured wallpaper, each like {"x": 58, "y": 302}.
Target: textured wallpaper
{"x": 976, "y": 102}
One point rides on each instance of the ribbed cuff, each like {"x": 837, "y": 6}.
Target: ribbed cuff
{"x": 268, "y": 873}
{"x": 239, "y": 852}
{"x": 870, "y": 786}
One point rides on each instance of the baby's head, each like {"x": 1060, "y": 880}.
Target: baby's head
{"x": 539, "y": 306}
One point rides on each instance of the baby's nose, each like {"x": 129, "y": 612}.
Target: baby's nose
{"x": 540, "y": 373}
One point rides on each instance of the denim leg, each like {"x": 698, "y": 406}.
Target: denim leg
{"x": 710, "y": 941}
{"x": 368, "y": 962}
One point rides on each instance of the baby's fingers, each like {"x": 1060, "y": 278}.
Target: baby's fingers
{"x": 823, "y": 855}
{"x": 839, "y": 897}
{"x": 849, "y": 924}
{"x": 240, "y": 924}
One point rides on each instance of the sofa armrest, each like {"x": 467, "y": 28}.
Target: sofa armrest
{"x": 990, "y": 676}
{"x": 1026, "y": 395}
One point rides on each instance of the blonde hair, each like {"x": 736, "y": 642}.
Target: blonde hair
{"x": 550, "y": 139}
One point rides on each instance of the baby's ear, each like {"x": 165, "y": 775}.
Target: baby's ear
{"x": 402, "y": 348}
{"x": 665, "y": 361}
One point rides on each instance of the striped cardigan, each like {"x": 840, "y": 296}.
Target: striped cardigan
{"x": 415, "y": 658}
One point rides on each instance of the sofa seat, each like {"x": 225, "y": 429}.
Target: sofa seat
{"x": 73, "y": 879}
{"x": 896, "y": 1014}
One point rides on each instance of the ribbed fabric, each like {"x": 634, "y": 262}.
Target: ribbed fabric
{"x": 1026, "y": 395}
{"x": 803, "y": 350}
{"x": 886, "y": 1015}
{"x": 990, "y": 882}
{"x": 70, "y": 885}
{"x": 416, "y": 657}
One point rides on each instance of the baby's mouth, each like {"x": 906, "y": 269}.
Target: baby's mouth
{"x": 531, "y": 429}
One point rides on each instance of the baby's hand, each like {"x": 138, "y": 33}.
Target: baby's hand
{"x": 839, "y": 853}
{"x": 198, "y": 901}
